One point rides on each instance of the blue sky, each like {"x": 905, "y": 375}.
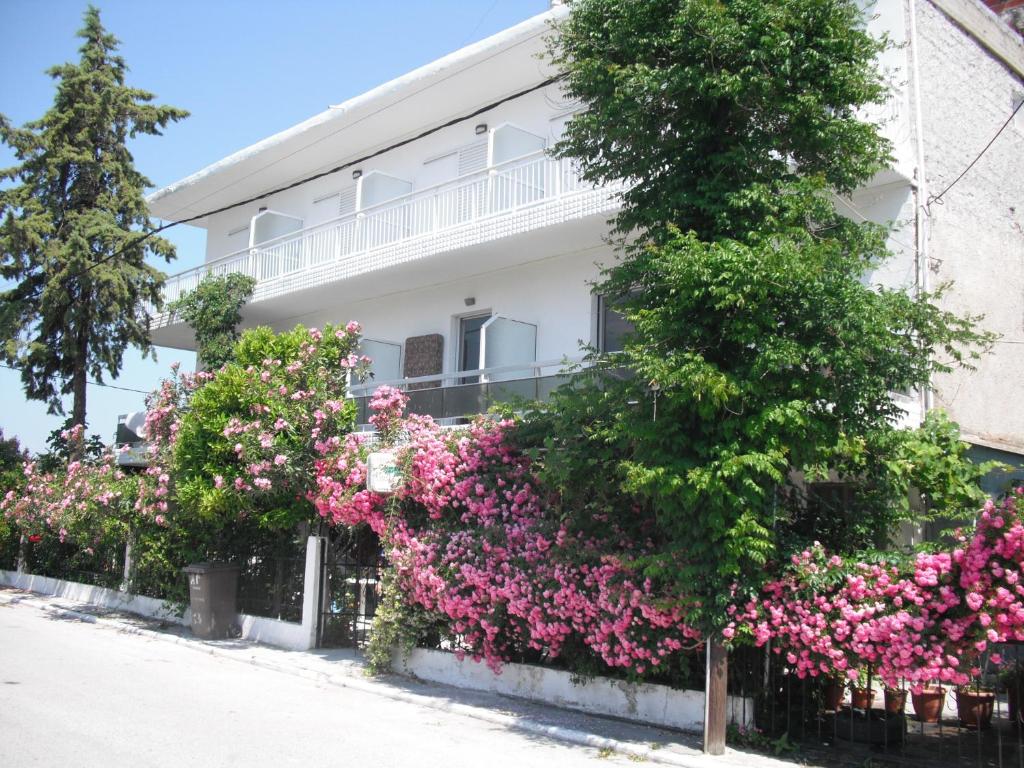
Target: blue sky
{"x": 244, "y": 70}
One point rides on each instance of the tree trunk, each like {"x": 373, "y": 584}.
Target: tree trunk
{"x": 78, "y": 381}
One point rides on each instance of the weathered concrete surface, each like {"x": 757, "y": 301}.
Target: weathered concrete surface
{"x": 976, "y": 232}
{"x": 100, "y": 688}
{"x": 75, "y": 693}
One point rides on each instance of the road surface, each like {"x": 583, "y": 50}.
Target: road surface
{"x": 79, "y": 694}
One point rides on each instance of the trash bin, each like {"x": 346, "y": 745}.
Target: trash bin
{"x": 213, "y": 595}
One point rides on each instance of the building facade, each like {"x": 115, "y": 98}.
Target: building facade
{"x": 437, "y": 220}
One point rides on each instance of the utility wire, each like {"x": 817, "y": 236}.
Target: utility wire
{"x": 93, "y": 383}
{"x": 322, "y": 174}
{"x": 937, "y": 198}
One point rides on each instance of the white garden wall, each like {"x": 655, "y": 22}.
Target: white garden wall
{"x": 281, "y": 634}
{"x": 644, "y": 703}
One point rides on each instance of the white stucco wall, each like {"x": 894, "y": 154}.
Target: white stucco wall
{"x": 641, "y": 702}
{"x": 549, "y": 290}
{"x": 976, "y": 233}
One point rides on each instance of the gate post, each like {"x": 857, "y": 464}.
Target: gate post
{"x": 311, "y": 590}
{"x": 715, "y": 698}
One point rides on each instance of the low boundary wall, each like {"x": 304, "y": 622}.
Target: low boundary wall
{"x": 641, "y": 702}
{"x": 282, "y": 634}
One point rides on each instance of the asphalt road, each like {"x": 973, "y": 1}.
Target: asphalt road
{"x": 77, "y": 694}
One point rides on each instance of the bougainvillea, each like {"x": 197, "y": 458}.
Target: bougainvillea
{"x": 472, "y": 541}
{"x": 923, "y": 618}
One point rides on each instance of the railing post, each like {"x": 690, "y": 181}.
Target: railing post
{"x": 128, "y": 576}
{"x": 311, "y": 590}
{"x": 715, "y": 697}
{"x": 22, "y": 563}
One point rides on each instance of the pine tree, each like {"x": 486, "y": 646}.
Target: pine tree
{"x": 74, "y": 228}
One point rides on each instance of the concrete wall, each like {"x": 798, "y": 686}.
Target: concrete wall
{"x": 976, "y": 232}
{"x": 642, "y": 702}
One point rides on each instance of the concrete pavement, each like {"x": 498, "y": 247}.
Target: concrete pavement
{"x": 129, "y": 677}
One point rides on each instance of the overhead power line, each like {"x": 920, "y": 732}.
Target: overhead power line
{"x": 314, "y": 177}
{"x": 937, "y": 198}
{"x": 92, "y": 383}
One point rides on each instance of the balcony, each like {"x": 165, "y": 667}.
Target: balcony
{"x": 450, "y": 398}
{"x": 513, "y": 198}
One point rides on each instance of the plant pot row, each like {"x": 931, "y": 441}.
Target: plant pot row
{"x": 974, "y": 708}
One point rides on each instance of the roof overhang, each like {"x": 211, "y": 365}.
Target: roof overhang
{"x": 455, "y": 84}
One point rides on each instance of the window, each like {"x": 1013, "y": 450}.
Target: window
{"x": 612, "y": 326}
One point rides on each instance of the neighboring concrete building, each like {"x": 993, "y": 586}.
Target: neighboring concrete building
{"x": 467, "y": 253}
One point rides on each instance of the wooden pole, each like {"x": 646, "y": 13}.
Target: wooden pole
{"x": 715, "y": 696}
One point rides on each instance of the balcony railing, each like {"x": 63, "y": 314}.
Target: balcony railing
{"x": 449, "y": 397}
{"x": 501, "y": 189}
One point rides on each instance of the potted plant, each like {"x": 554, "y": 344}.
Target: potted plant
{"x": 862, "y": 695}
{"x": 928, "y": 702}
{"x": 974, "y": 705}
{"x": 895, "y": 700}
{"x": 832, "y": 693}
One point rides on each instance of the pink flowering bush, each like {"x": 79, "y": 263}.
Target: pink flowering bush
{"x": 473, "y": 543}
{"x": 72, "y": 503}
{"x": 924, "y": 618}
{"x": 75, "y": 516}
{"x": 246, "y": 444}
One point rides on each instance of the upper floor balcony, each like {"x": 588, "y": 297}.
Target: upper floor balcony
{"x": 507, "y": 200}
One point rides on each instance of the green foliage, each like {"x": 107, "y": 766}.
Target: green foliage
{"x": 213, "y": 310}
{"x": 61, "y": 448}
{"x": 759, "y": 348}
{"x": 269, "y": 405}
{"x": 12, "y": 456}
{"x": 716, "y": 109}
{"x": 398, "y": 625}
{"x": 74, "y": 200}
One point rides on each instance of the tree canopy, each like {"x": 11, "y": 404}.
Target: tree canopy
{"x": 761, "y": 355}
{"x": 74, "y": 228}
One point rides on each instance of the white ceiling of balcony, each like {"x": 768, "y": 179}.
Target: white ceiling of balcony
{"x": 456, "y": 84}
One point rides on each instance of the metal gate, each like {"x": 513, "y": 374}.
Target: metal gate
{"x": 350, "y": 573}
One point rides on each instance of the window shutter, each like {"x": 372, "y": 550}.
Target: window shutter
{"x": 473, "y": 157}
{"x": 347, "y": 200}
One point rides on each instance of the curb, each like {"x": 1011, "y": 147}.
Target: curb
{"x": 349, "y": 679}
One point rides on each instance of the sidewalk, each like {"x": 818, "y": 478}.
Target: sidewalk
{"x": 345, "y": 668}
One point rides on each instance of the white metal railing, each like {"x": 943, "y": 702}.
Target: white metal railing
{"x": 526, "y": 181}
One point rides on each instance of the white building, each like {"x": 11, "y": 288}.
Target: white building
{"x": 467, "y": 253}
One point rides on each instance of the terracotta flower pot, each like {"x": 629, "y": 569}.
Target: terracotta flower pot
{"x": 928, "y": 704}
{"x": 833, "y": 695}
{"x": 895, "y": 700}
{"x": 861, "y": 698}
{"x": 974, "y": 708}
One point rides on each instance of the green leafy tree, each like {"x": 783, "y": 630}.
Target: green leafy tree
{"x": 214, "y": 310}
{"x": 66, "y": 443}
{"x": 12, "y": 458}
{"x": 759, "y": 348}
{"x": 74, "y": 228}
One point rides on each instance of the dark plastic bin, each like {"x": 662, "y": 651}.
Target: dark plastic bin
{"x": 213, "y": 595}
